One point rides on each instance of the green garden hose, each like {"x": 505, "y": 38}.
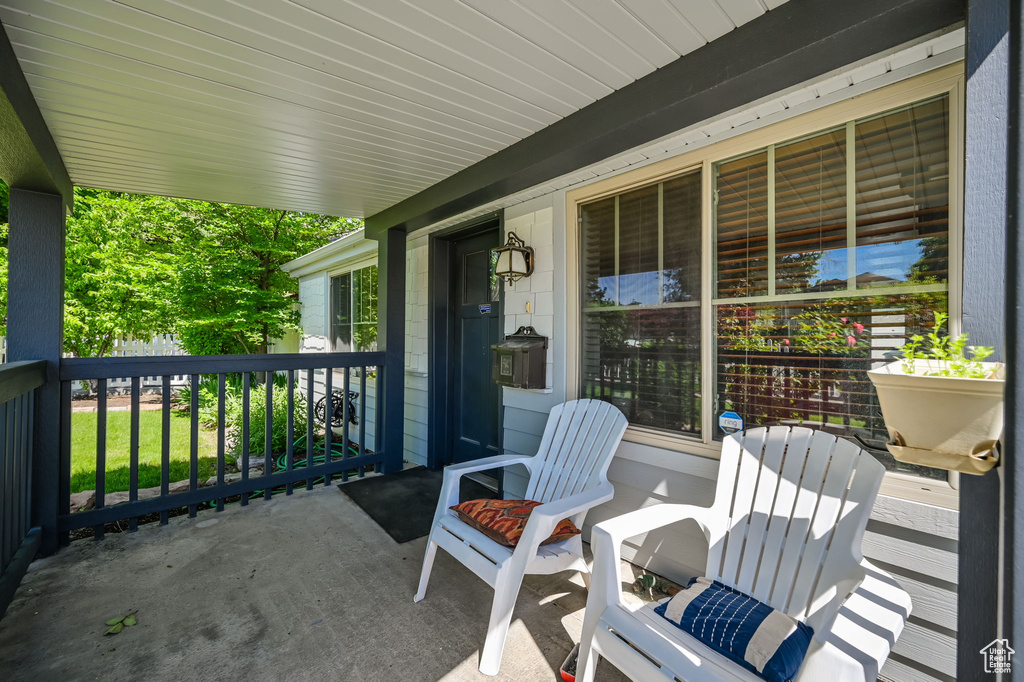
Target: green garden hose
{"x": 319, "y": 457}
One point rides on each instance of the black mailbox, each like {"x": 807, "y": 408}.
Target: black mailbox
{"x": 520, "y": 359}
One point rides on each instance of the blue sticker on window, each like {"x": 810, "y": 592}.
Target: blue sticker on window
{"x": 730, "y": 422}
{"x": 485, "y": 308}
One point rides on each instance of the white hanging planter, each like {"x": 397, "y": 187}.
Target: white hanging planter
{"x": 951, "y": 423}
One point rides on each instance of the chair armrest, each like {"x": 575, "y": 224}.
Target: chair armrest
{"x": 862, "y": 633}
{"x": 544, "y": 518}
{"x": 452, "y": 474}
{"x": 487, "y": 463}
{"x": 649, "y": 518}
{"x": 607, "y": 537}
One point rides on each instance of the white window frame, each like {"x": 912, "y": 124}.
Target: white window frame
{"x": 947, "y": 80}
{"x": 338, "y": 271}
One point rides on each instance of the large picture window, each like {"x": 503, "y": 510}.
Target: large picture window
{"x": 354, "y": 310}
{"x": 831, "y": 251}
{"x": 828, "y": 252}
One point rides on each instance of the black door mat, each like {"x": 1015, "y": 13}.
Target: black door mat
{"x": 403, "y": 504}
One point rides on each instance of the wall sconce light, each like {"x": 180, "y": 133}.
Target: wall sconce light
{"x": 515, "y": 259}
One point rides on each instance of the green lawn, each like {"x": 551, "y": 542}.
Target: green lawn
{"x": 83, "y": 450}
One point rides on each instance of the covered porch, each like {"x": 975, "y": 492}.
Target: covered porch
{"x": 423, "y": 120}
{"x": 305, "y": 588}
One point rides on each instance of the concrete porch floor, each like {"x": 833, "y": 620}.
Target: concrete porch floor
{"x": 305, "y": 587}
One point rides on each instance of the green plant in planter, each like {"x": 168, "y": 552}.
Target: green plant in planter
{"x": 950, "y": 352}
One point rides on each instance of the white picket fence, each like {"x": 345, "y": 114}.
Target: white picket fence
{"x": 160, "y": 345}
{"x": 132, "y": 347}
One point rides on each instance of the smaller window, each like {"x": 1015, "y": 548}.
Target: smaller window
{"x": 354, "y": 310}
{"x": 641, "y": 349}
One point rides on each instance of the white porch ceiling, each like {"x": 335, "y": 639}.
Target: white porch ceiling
{"x": 329, "y": 106}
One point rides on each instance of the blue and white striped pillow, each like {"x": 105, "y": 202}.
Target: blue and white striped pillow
{"x": 765, "y": 641}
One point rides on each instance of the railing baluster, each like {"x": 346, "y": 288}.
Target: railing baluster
{"x": 290, "y": 445}
{"x": 7, "y": 486}
{"x": 101, "y": 451}
{"x": 362, "y": 418}
{"x": 344, "y": 424}
{"x": 268, "y": 454}
{"x": 165, "y": 445}
{"x": 13, "y": 456}
{"x": 16, "y": 420}
{"x": 378, "y": 419}
{"x": 221, "y": 427}
{"x": 25, "y": 414}
{"x": 245, "y": 434}
{"x": 193, "y": 469}
{"x": 64, "y": 466}
{"x": 13, "y": 473}
{"x": 328, "y": 419}
{"x": 12, "y": 476}
{"x": 310, "y": 399}
{"x": 18, "y": 469}
{"x": 133, "y": 465}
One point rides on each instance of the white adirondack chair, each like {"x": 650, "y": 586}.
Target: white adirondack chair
{"x": 569, "y": 475}
{"x": 786, "y": 527}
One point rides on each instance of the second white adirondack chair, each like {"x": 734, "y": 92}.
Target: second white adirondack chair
{"x": 790, "y": 511}
{"x": 569, "y": 475}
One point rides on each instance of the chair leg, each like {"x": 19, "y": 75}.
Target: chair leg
{"x": 428, "y": 564}
{"x": 586, "y": 664}
{"x": 506, "y": 589}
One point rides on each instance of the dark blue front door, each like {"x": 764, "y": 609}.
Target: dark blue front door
{"x": 476, "y": 398}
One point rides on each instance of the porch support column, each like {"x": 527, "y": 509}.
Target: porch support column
{"x": 984, "y": 273}
{"x": 391, "y": 339}
{"x": 1013, "y": 474}
{"x": 35, "y": 331}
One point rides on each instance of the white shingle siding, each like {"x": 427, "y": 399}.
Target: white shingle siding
{"x": 535, "y": 228}
{"x": 416, "y": 265}
{"x": 313, "y": 299}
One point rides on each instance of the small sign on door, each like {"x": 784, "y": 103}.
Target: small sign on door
{"x": 485, "y": 308}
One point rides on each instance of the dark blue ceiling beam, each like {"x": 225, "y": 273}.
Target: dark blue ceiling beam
{"x": 29, "y": 158}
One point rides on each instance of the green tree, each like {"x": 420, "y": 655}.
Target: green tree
{"x": 231, "y": 294}
{"x": 210, "y": 273}
{"x": 117, "y": 269}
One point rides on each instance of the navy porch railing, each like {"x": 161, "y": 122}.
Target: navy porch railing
{"x": 301, "y": 371}
{"x": 19, "y": 540}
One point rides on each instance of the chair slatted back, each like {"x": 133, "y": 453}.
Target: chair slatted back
{"x": 794, "y": 504}
{"x": 578, "y": 444}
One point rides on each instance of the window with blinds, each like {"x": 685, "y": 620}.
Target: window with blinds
{"x": 354, "y": 310}
{"x": 641, "y": 340}
{"x": 831, "y": 251}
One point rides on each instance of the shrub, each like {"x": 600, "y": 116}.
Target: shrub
{"x": 233, "y": 413}
{"x": 233, "y": 417}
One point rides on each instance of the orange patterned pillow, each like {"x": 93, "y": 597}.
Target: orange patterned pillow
{"x": 504, "y": 520}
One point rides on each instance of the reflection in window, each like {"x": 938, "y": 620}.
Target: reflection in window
{"x": 807, "y": 361}
{"x": 809, "y": 299}
{"x": 640, "y": 255}
{"x": 903, "y": 197}
{"x": 646, "y": 361}
{"x": 741, "y": 220}
{"x": 810, "y": 214}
